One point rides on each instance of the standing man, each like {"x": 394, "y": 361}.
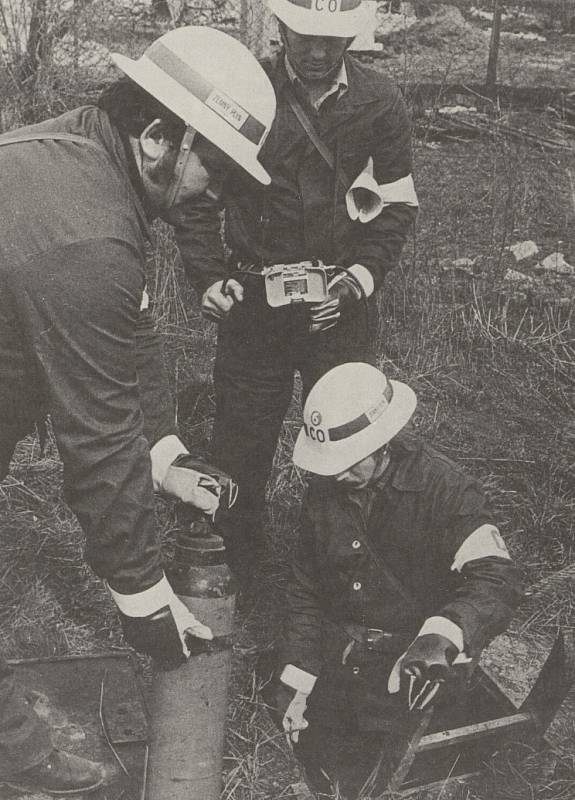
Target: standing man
{"x": 400, "y": 572}
{"x": 339, "y": 158}
{"x": 76, "y": 339}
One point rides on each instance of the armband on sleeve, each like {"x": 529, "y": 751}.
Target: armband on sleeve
{"x": 484, "y": 542}
{"x": 366, "y": 198}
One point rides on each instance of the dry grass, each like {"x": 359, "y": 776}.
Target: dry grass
{"x": 494, "y": 376}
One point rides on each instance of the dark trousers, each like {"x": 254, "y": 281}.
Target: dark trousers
{"x": 259, "y": 350}
{"x": 24, "y": 737}
{"x": 347, "y": 764}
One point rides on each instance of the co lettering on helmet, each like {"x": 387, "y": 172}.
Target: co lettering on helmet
{"x": 315, "y": 434}
{"x": 326, "y": 5}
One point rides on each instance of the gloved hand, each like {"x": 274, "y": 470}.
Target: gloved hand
{"x": 217, "y": 304}
{"x": 199, "y": 484}
{"x": 157, "y": 623}
{"x": 427, "y": 664}
{"x": 343, "y": 292}
{"x": 291, "y": 705}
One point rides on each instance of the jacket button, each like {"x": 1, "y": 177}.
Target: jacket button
{"x": 355, "y": 670}
{"x": 356, "y": 544}
{"x": 357, "y": 586}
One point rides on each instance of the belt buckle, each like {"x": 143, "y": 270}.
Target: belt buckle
{"x": 372, "y": 636}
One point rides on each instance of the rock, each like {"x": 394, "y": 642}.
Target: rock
{"x": 517, "y": 277}
{"x": 448, "y": 110}
{"x": 523, "y": 250}
{"x": 555, "y": 262}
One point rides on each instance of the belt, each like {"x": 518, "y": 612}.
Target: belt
{"x": 375, "y": 639}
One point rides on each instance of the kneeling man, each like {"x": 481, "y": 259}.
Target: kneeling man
{"x": 399, "y": 576}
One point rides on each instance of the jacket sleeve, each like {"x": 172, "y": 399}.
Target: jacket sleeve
{"x": 301, "y": 643}
{"x": 198, "y": 235}
{"x": 83, "y": 306}
{"x": 487, "y": 586}
{"x": 377, "y": 245}
{"x": 488, "y": 592}
{"x": 155, "y": 397}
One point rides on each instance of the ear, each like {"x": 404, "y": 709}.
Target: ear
{"x": 153, "y": 141}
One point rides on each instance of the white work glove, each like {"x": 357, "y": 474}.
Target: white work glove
{"x": 157, "y": 623}
{"x": 179, "y": 475}
{"x": 294, "y": 688}
{"x": 192, "y": 487}
{"x": 293, "y": 720}
{"x": 217, "y": 304}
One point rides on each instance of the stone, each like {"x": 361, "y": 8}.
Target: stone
{"x": 517, "y": 277}
{"x": 555, "y": 262}
{"x": 523, "y": 250}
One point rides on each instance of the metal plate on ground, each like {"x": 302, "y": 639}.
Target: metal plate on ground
{"x": 94, "y": 706}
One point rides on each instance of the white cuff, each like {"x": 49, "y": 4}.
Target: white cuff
{"x": 144, "y": 603}
{"x": 443, "y": 627}
{"x": 485, "y": 541}
{"x": 163, "y": 454}
{"x": 298, "y": 679}
{"x": 363, "y": 275}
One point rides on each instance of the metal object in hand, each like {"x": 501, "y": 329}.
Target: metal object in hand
{"x": 304, "y": 282}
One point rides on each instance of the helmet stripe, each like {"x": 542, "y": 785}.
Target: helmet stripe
{"x": 364, "y": 420}
{"x": 219, "y": 102}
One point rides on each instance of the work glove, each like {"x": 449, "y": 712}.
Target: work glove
{"x": 426, "y": 665}
{"x": 219, "y": 299}
{"x": 156, "y": 622}
{"x": 199, "y": 484}
{"x": 343, "y": 291}
{"x": 293, "y": 689}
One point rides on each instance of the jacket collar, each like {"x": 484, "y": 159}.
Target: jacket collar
{"x": 408, "y": 472}
{"x": 359, "y": 92}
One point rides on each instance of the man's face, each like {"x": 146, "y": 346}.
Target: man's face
{"x": 203, "y": 171}
{"x": 314, "y": 58}
{"x": 359, "y": 475}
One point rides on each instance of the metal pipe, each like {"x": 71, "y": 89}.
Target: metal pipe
{"x": 189, "y": 704}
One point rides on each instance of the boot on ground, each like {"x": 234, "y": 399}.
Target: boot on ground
{"x": 59, "y": 774}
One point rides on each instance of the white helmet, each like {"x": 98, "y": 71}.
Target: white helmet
{"x": 215, "y": 85}
{"x": 351, "y": 412}
{"x": 344, "y": 18}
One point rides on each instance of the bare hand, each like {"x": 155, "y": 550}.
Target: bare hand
{"x": 216, "y": 304}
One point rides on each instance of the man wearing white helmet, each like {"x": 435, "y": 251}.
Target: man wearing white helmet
{"x": 340, "y": 161}
{"x": 399, "y": 575}
{"x": 76, "y": 339}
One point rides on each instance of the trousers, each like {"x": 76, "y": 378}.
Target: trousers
{"x": 259, "y": 351}
{"x": 24, "y": 738}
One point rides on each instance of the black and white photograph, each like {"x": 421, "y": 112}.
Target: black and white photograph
{"x": 287, "y": 399}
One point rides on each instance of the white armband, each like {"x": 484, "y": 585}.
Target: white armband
{"x": 298, "y": 679}
{"x": 366, "y": 198}
{"x": 485, "y": 541}
{"x": 163, "y": 453}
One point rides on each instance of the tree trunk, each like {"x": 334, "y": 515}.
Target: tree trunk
{"x": 491, "y": 78}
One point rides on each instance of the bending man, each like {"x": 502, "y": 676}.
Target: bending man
{"x": 76, "y": 340}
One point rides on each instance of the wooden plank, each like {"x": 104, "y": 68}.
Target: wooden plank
{"x": 433, "y": 741}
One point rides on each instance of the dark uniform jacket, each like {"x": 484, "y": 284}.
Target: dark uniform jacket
{"x": 293, "y": 218}
{"x": 73, "y": 341}
{"x": 416, "y": 519}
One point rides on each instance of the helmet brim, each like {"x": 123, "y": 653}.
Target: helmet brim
{"x": 331, "y": 458}
{"x": 343, "y": 24}
{"x": 193, "y": 112}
